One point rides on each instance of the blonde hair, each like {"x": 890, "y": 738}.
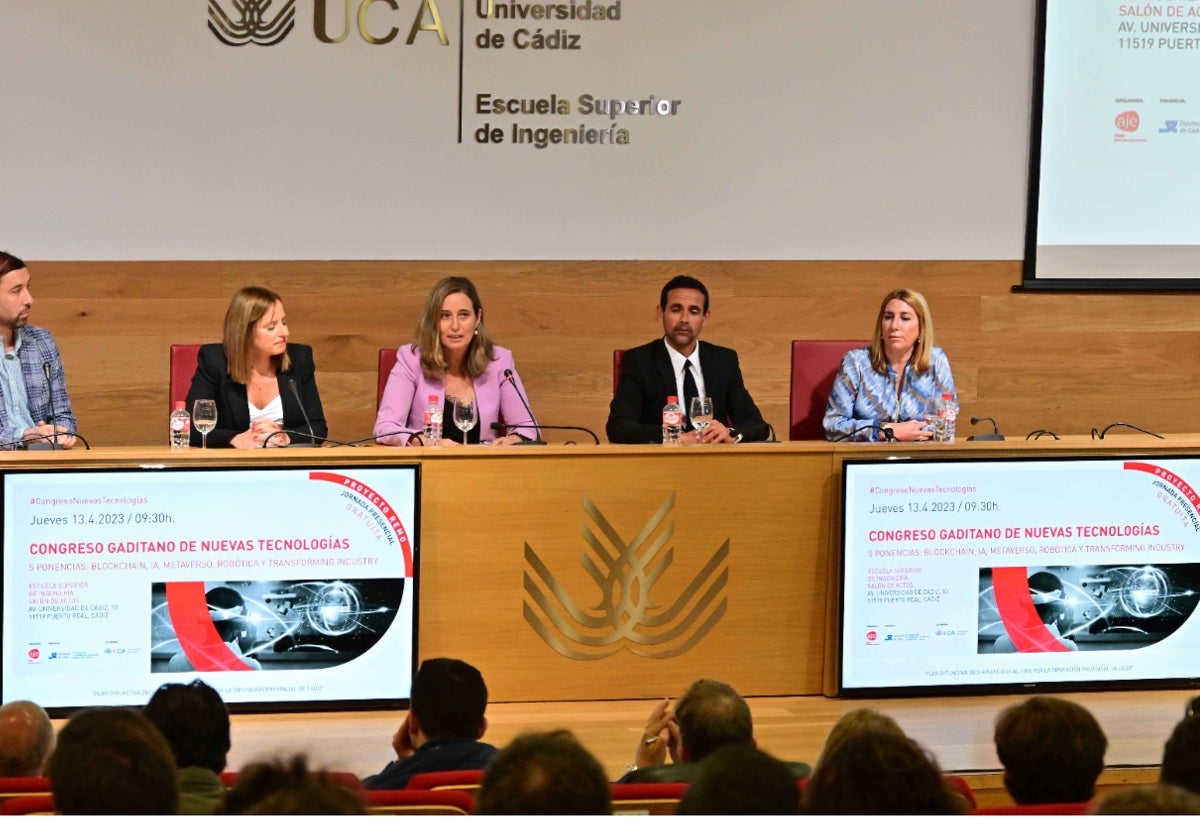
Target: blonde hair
{"x": 922, "y": 350}
{"x": 248, "y": 306}
{"x": 429, "y": 342}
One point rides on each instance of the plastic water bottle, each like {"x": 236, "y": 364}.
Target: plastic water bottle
{"x": 433, "y": 421}
{"x": 947, "y": 418}
{"x": 181, "y": 426}
{"x": 672, "y": 422}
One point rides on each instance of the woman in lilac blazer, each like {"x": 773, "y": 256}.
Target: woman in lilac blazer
{"x": 454, "y": 360}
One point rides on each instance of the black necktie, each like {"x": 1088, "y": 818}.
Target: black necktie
{"x": 689, "y": 391}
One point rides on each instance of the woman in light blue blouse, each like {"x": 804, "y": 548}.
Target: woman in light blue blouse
{"x": 892, "y": 382}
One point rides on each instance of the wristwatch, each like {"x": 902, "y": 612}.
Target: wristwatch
{"x": 733, "y": 433}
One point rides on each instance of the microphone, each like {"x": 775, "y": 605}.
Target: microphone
{"x": 1100, "y": 435}
{"x": 293, "y": 432}
{"x": 54, "y": 444}
{"x": 399, "y": 430}
{"x": 501, "y": 426}
{"x": 508, "y": 377}
{"x": 43, "y": 443}
{"x": 291, "y": 380}
{"x": 995, "y": 435}
{"x": 888, "y": 434}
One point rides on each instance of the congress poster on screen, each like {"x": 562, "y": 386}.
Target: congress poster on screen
{"x": 273, "y": 585}
{"x": 961, "y": 573}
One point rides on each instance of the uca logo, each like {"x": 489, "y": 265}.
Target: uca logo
{"x": 625, "y": 610}
{"x": 251, "y": 25}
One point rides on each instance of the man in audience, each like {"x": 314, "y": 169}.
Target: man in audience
{"x": 288, "y": 787}
{"x": 739, "y": 779}
{"x": 545, "y": 773}
{"x": 112, "y": 761}
{"x": 709, "y": 715}
{"x": 1149, "y": 800}
{"x": 443, "y": 727}
{"x": 34, "y": 407}
{"x": 1181, "y": 755}
{"x": 681, "y": 365}
{"x": 195, "y": 722}
{"x": 1052, "y": 750}
{"x": 26, "y": 739}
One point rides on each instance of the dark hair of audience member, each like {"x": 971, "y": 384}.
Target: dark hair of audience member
{"x": 544, "y": 773}
{"x": 711, "y": 714}
{"x": 112, "y": 761}
{"x": 449, "y": 698}
{"x": 26, "y": 739}
{"x": 288, "y": 787}
{"x": 195, "y": 722}
{"x": 857, "y": 722}
{"x": 879, "y": 773}
{"x": 1149, "y": 800}
{"x": 739, "y": 779}
{"x": 1181, "y": 755}
{"x": 1052, "y": 751}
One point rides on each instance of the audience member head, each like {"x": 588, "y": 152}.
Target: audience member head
{"x": 1149, "y": 800}
{"x": 682, "y": 281}
{"x": 710, "y": 715}
{"x": 243, "y": 319}
{"x": 449, "y": 699}
{"x": 911, "y": 304}
{"x": 26, "y": 737}
{"x": 1181, "y": 755}
{"x": 453, "y": 306}
{"x": 1052, "y": 750}
{"x": 112, "y": 761}
{"x": 857, "y": 722}
{"x": 544, "y": 773}
{"x": 288, "y": 787}
{"x": 879, "y": 773}
{"x": 10, "y": 262}
{"x": 739, "y": 779}
{"x": 195, "y": 722}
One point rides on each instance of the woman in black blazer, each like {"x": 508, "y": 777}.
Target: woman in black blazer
{"x": 265, "y": 388}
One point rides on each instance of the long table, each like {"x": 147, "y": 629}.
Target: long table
{"x": 577, "y": 573}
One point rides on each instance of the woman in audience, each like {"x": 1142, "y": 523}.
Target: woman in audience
{"x": 454, "y": 360}
{"x": 265, "y": 388}
{"x": 288, "y": 787}
{"x": 879, "y": 773}
{"x": 858, "y": 722}
{"x": 891, "y": 383}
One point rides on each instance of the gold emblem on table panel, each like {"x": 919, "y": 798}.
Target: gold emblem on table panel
{"x": 252, "y": 25}
{"x": 623, "y": 613}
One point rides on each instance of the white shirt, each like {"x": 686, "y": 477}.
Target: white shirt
{"x": 677, "y": 362}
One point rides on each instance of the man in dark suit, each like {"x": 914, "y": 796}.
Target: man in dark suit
{"x": 683, "y": 366}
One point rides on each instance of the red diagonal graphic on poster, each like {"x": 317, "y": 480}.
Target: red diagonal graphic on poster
{"x": 386, "y": 511}
{"x": 201, "y": 642}
{"x": 1024, "y": 626}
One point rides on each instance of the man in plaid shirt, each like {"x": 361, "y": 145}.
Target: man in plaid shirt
{"x": 34, "y": 406}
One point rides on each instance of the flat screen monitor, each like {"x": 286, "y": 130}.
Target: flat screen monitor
{"x": 283, "y": 588}
{"x": 1007, "y": 574}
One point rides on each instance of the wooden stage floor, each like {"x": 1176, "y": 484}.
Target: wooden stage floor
{"x": 958, "y": 731}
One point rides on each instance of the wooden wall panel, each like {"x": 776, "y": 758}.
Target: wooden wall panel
{"x": 1060, "y": 361}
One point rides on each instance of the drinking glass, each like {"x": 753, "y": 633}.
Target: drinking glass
{"x": 701, "y": 413}
{"x": 934, "y": 420}
{"x": 464, "y": 416}
{"x": 204, "y": 418}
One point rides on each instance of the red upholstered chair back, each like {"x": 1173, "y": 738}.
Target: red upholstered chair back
{"x": 38, "y": 803}
{"x": 183, "y": 368}
{"x": 419, "y": 802}
{"x": 464, "y": 780}
{"x": 387, "y": 361}
{"x": 1070, "y": 809}
{"x": 653, "y": 798}
{"x": 815, "y": 364}
{"x": 618, "y": 355}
